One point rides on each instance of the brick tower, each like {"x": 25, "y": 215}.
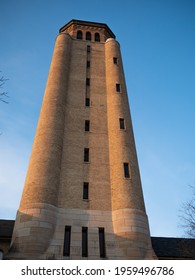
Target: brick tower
{"x": 82, "y": 197}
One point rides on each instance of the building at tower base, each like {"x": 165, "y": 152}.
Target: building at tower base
{"x": 83, "y": 197}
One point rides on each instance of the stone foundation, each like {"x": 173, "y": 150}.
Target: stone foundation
{"x": 39, "y": 233}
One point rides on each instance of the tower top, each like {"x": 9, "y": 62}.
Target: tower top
{"x": 74, "y": 25}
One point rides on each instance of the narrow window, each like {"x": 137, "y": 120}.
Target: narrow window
{"x": 87, "y": 81}
{"x": 86, "y": 155}
{"x": 122, "y": 123}
{"x": 87, "y": 125}
{"x": 97, "y": 37}
{"x": 88, "y": 36}
{"x": 88, "y": 48}
{"x": 87, "y": 102}
{"x": 79, "y": 35}
{"x": 85, "y": 190}
{"x": 118, "y": 87}
{"x": 84, "y": 242}
{"x": 102, "y": 243}
{"x": 126, "y": 170}
{"x": 1, "y": 254}
{"x": 67, "y": 241}
{"x": 115, "y": 60}
{"x": 88, "y": 64}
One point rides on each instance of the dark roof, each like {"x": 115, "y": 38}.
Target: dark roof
{"x": 169, "y": 247}
{"x": 6, "y": 228}
{"x": 88, "y": 23}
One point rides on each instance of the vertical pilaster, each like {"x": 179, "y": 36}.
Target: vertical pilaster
{"x": 129, "y": 218}
{"x": 35, "y": 220}
{"x": 126, "y": 192}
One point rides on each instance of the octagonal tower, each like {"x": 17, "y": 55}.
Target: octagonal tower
{"x": 82, "y": 197}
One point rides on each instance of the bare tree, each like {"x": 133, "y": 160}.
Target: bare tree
{"x": 3, "y": 94}
{"x": 187, "y": 216}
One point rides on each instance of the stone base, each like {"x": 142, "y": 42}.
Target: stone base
{"x": 39, "y": 233}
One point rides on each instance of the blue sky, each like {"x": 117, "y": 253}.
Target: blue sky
{"x": 158, "y": 48}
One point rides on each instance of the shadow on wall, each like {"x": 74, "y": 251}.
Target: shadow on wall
{"x": 33, "y": 229}
{"x": 87, "y": 237}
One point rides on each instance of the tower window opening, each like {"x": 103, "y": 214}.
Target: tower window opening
{"x": 88, "y": 49}
{"x": 97, "y": 37}
{"x": 122, "y": 123}
{"x": 118, "y": 87}
{"x": 102, "y": 243}
{"x": 1, "y": 254}
{"x": 79, "y": 35}
{"x": 87, "y": 82}
{"x": 67, "y": 236}
{"x": 87, "y": 102}
{"x": 85, "y": 190}
{"x": 86, "y": 155}
{"x": 84, "y": 242}
{"x": 88, "y": 36}
{"x": 126, "y": 170}
{"x": 115, "y": 60}
{"x": 88, "y": 64}
{"x": 87, "y": 125}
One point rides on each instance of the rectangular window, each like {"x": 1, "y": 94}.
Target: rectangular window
{"x": 67, "y": 235}
{"x": 102, "y": 243}
{"x": 84, "y": 242}
{"x": 122, "y": 123}
{"x": 87, "y": 102}
{"x": 88, "y": 64}
{"x": 86, "y": 155}
{"x": 88, "y": 49}
{"x": 85, "y": 190}
{"x": 87, "y": 81}
{"x": 87, "y": 125}
{"x": 115, "y": 60}
{"x": 126, "y": 170}
{"x": 118, "y": 88}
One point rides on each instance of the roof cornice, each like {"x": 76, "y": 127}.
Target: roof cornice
{"x": 88, "y": 23}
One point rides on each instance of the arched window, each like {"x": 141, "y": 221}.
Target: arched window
{"x": 97, "y": 37}
{"x": 79, "y": 35}
{"x": 88, "y": 36}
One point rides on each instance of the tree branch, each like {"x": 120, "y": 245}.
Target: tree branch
{"x": 4, "y": 94}
{"x": 188, "y": 216}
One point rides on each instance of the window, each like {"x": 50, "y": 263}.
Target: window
{"x": 88, "y": 36}
{"x": 67, "y": 241}
{"x": 87, "y": 102}
{"x": 88, "y": 64}
{"x": 79, "y": 35}
{"x": 126, "y": 170}
{"x": 102, "y": 243}
{"x": 84, "y": 242}
{"x": 88, "y": 48}
{"x": 87, "y": 125}
{"x": 115, "y": 60}
{"x": 87, "y": 82}
{"x": 1, "y": 254}
{"x": 97, "y": 37}
{"x": 85, "y": 190}
{"x": 118, "y": 87}
{"x": 86, "y": 155}
{"x": 122, "y": 123}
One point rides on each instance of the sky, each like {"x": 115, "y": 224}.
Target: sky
{"x": 157, "y": 41}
